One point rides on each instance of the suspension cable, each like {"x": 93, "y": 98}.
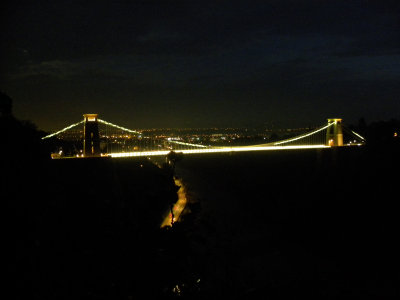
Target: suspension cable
{"x": 304, "y": 135}
{"x": 62, "y": 130}
{"x": 356, "y": 134}
{"x": 119, "y": 127}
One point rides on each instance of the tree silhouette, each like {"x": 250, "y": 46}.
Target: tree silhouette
{"x": 173, "y": 158}
{"x": 5, "y": 105}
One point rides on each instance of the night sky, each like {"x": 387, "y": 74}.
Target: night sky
{"x": 146, "y": 64}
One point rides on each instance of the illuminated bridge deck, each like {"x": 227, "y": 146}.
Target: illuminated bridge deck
{"x": 327, "y": 136}
{"x": 216, "y": 150}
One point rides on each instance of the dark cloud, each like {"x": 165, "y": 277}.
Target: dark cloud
{"x": 247, "y": 56}
{"x": 65, "y": 29}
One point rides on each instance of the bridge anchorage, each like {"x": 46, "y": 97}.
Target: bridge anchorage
{"x": 102, "y": 138}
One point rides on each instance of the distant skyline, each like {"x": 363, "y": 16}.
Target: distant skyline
{"x": 149, "y": 64}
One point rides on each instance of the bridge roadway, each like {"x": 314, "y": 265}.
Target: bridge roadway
{"x": 216, "y": 150}
{"x": 178, "y": 207}
{"x": 334, "y": 137}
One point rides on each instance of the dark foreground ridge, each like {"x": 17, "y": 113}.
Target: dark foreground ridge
{"x": 276, "y": 225}
{"x": 83, "y": 228}
{"x": 88, "y": 228}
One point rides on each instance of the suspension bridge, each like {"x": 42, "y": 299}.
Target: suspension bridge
{"x": 103, "y": 138}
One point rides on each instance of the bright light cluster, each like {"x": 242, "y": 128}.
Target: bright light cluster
{"x": 186, "y": 144}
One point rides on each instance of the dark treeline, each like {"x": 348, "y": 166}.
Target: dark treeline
{"x": 379, "y": 133}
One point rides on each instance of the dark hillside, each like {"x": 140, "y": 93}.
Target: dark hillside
{"x": 285, "y": 224}
{"x": 82, "y": 228}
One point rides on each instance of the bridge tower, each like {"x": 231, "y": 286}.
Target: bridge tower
{"x": 91, "y": 137}
{"x": 334, "y": 134}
